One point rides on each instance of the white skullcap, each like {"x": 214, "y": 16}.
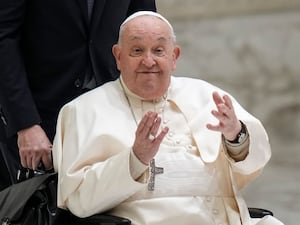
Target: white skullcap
{"x": 147, "y": 13}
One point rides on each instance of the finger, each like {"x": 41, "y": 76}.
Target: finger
{"x": 217, "y": 98}
{"x": 151, "y": 118}
{"x": 47, "y": 161}
{"x": 213, "y": 127}
{"x": 23, "y": 161}
{"x": 142, "y": 123}
{"x": 35, "y": 162}
{"x": 160, "y": 136}
{"x": 224, "y": 108}
{"x": 28, "y": 162}
{"x": 221, "y": 115}
{"x": 224, "y": 111}
{"x": 227, "y": 101}
{"x": 155, "y": 126}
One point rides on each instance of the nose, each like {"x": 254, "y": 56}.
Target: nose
{"x": 148, "y": 60}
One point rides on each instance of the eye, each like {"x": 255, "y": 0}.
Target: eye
{"x": 159, "y": 52}
{"x": 136, "y": 52}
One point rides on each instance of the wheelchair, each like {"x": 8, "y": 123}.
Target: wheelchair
{"x": 102, "y": 219}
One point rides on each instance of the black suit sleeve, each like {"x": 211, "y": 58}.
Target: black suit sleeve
{"x": 15, "y": 97}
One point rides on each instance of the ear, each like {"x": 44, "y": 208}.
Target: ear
{"x": 116, "y": 52}
{"x": 176, "y": 54}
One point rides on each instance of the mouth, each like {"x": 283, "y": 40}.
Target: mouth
{"x": 149, "y": 72}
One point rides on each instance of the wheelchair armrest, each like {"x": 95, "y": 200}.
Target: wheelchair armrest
{"x": 259, "y": 213}
{"x": 66, "y": 217}
{"x": 100, "y": 219}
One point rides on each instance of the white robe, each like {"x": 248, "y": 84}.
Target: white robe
{"x": 92, "y": 148}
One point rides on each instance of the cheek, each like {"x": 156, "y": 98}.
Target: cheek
{"x": 129, "y": 64}
{"x": 168, "y": 65}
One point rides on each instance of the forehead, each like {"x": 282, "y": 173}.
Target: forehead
{"x": 147, "y": 27}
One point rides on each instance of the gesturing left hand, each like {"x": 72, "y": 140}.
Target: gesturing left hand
{"x": 229, "y": 125}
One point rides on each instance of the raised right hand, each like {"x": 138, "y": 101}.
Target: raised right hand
{"x": 145, "y": 148}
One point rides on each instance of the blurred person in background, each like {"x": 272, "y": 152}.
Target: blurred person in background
{"x": 51, "y": 52}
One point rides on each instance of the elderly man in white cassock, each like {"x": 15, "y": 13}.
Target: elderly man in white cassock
{"x": 154, "y": 148}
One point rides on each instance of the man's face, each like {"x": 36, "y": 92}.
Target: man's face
{"x": 147, "y": 56}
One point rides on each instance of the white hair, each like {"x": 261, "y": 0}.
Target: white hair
{"x": 146, "y": 13}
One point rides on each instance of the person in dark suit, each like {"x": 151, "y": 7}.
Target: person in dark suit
{"x": 51, "y": 52}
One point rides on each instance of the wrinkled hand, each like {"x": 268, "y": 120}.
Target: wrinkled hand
{"x": 34, "y": 147}
{"x": 228, "y": 125}
{"x": 144, "y": 148}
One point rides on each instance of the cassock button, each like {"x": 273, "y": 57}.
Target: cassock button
{"x": 215, "y": 211}
{"x": 171, "y": 134}
{"x": 208, "y": 199}
{"x": 177, "y": 142}
{"x": 77, "y": 83}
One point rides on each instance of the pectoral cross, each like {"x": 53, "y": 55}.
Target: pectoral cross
{"x": 153, "y": 171}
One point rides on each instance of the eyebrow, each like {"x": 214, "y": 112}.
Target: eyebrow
{"x": 132, "y": 38}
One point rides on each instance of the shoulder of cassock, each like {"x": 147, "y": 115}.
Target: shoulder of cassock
{"x": 194, "y": 98}
{"x": 93, "y": 118}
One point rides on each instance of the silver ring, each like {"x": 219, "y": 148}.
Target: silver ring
{"x": 151, "y": 137}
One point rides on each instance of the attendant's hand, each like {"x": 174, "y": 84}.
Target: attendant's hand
{"x": 228, "y": 125}
{"x": 34, "y": 148}
{"x": 147, "y": 137}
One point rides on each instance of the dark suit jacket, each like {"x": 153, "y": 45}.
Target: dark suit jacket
{"x": 44, "y": 49}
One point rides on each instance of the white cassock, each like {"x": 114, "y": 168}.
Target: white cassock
{"x": 200, "y": 183}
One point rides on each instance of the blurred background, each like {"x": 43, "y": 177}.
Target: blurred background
{"x": 252, "y": 50}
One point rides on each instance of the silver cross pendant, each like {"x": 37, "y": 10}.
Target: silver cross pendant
{"x": 153, "y": 171}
